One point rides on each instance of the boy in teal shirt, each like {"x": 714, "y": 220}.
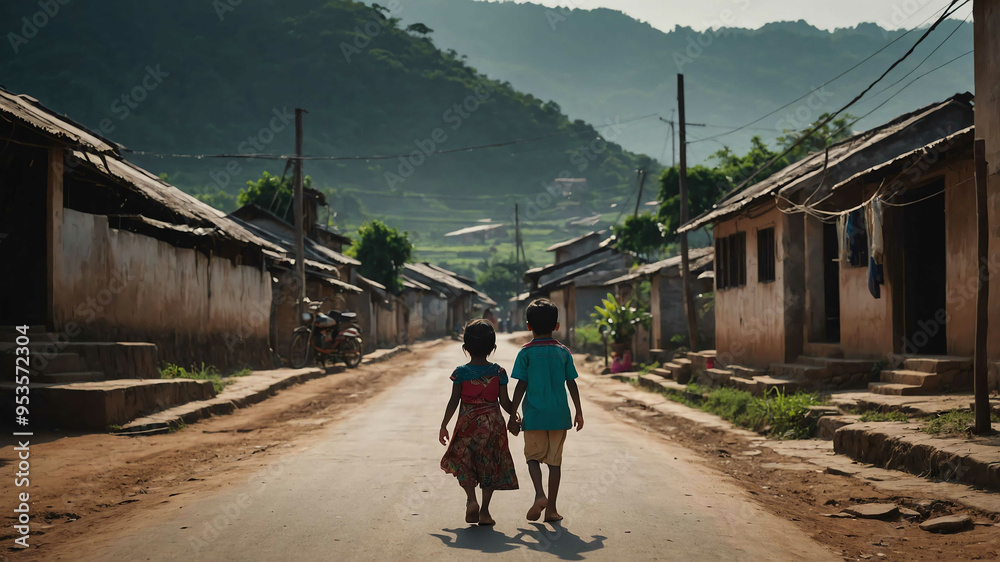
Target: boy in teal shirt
{"x": 544, "y": 370}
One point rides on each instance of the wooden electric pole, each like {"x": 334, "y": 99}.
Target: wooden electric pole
{"x": 981, "y": 381}
{"x": 692, "y": 318}
{"x": 642, "y": 180}
{"x": 300, "y": 244}
{"x": 518, "y": 248}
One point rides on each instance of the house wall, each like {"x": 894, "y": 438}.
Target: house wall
{"x": 559, "y": 298}
{"x": 386, "y": 324}
{"x": 961, "y": 255}
{"x": 415, "y": 304}
{"x": 750, "y": 326}
{"x": 435, "y": 316}
{"x": 115, "y": 285}
{"x": 986, "y": 17}
{"x": 361, "y": 304}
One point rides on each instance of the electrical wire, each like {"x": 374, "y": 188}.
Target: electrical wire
{"x": 382, "y": 156}
{"x": 828, "y": 82}
{"x": 834, "y": 115}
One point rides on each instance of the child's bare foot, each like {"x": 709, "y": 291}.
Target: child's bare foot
{"x": 536, "y": 509}
{"x": 472, "y": 512}
{"x": 485, "y": 520}
{"x": 551, "y": 515}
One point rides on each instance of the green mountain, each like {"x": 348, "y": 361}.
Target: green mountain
{"x": 601, "y": 63}
{"x": 197, "y": 77}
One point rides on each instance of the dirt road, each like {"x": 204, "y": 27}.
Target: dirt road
{"x": 369, "y": 487}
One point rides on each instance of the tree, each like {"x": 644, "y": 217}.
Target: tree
{"x": 272, "y": 193}
{"x": 419, "y": 28}
{"x": 383, "y": 252}
{"x": 641, "y": 235}
{"x": 830, "y": 133}
{"x": 707, "y": 185}
{"x": 501, "y": 278}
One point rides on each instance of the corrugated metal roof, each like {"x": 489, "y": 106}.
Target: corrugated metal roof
{"x": 961, "y": 140}
{"x": 449, "y": 283}
{"x": 697, "y": 258}
{"x": 474, "y": 229}
{"x": 186, "y": 208}
{"x": 28, "y": 111}
{"x": 571, "y": 241}
{"x": 836, "y": 163}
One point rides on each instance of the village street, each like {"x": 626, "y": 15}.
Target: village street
{"x": 370, "y": 488}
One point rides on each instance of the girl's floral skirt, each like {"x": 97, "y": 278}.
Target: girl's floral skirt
{"x": 478, "y": 452}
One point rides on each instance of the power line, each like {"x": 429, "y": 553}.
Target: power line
{"x": 827, "y": 83}
{"x": 834, "y": 115}
{"x": 383, "y": 156}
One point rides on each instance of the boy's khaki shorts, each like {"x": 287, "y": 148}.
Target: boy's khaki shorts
{"x": 545, "y": 446}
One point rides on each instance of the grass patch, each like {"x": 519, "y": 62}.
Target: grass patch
{"x": 781, "y": 415}
{"x": 203, "y": 373}
{"x": 955, "y": 422}
{"x": 873, "y": 416}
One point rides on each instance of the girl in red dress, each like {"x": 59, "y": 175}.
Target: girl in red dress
{"x": 478, "y": 453}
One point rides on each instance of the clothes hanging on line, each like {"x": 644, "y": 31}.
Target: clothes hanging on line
{"x": 876, "y": 273}
{"x": 856, "y": 238}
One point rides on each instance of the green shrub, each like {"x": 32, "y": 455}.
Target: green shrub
{"x": 588, "y": 339}
{"x": 204, "y": 372}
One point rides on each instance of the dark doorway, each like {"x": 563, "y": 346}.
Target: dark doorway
{"x": 924, "y": 274}
{"x": 22, "y": 235}
{"x": 831, "y": 283}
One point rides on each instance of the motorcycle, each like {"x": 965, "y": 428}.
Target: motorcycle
{"x": 334, "y": 336}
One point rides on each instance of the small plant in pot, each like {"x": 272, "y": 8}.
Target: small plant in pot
{"x": 619, "y": 321}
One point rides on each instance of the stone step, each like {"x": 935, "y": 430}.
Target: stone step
{"x": 766, "y": 383}
{"x": 650, "y": 381}
{"x": 65, "y": 378}
{"x": 42, "y": 363}
{"x": 838, "y": 365}
{"x": 715, "y": 377}
{"x": 827, "y": 426}
{"x": 893, "y": 389}
{"x": 746, "y": 372}
{"x": 922, "y": 379}
{"x": 665, "y": 373}
{"x": 744, "y": 384}
{"x": 938, "y": 363}
{"x": 681, "y": 361}
{"x": 797, "y": 371}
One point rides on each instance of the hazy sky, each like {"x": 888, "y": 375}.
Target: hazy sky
{"x": 825, "y": 14}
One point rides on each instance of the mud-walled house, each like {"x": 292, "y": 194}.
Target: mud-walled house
{"x": 120, "y": 268}
{"x": 461, "y": 300}
{"x": 798, "y": 293}
{"x": 575, "y": 281}
{"x": 327, "y": 277}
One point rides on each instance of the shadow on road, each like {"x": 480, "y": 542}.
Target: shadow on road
{"x": 557, "y": 541}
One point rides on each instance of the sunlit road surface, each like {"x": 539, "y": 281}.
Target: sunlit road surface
{"x": 372, "y": 489}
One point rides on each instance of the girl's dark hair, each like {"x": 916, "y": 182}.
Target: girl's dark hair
{"x": 479, "y": 338}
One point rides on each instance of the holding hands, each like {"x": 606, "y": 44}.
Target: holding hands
{"x": 514, "y": 425}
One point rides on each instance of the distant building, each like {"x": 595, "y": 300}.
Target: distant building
{"x": 479, "y": 234}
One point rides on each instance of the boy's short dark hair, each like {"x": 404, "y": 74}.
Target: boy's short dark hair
{"x": 479, "y": 337}
{"x": 543, "y": 316}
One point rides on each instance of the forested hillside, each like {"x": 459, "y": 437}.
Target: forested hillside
{"x": 602, "y": 63}
{"x": 196, "y": 77}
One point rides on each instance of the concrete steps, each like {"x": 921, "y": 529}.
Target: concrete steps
{"x": 744, "y": 384}
{"x": 665, "y": 373}
{"x": 797, "y": 371}
{"x": 893, "y": 389}
{"x": 69, "y": 377}
{"x": 925, "y": 375}
{"x": 117, "y": 360}
{"x": 746, "y": 372}
{"x": 767, "y": 383}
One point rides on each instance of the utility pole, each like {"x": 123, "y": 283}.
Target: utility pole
{"x": 518, "y": 249}
{"x": 673, "y": 140}
{"x": 642, "y": 180}
{"x": 300, "y": 244}
{"x": 980, "y": 378}
{"x": 692, "y": 319}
